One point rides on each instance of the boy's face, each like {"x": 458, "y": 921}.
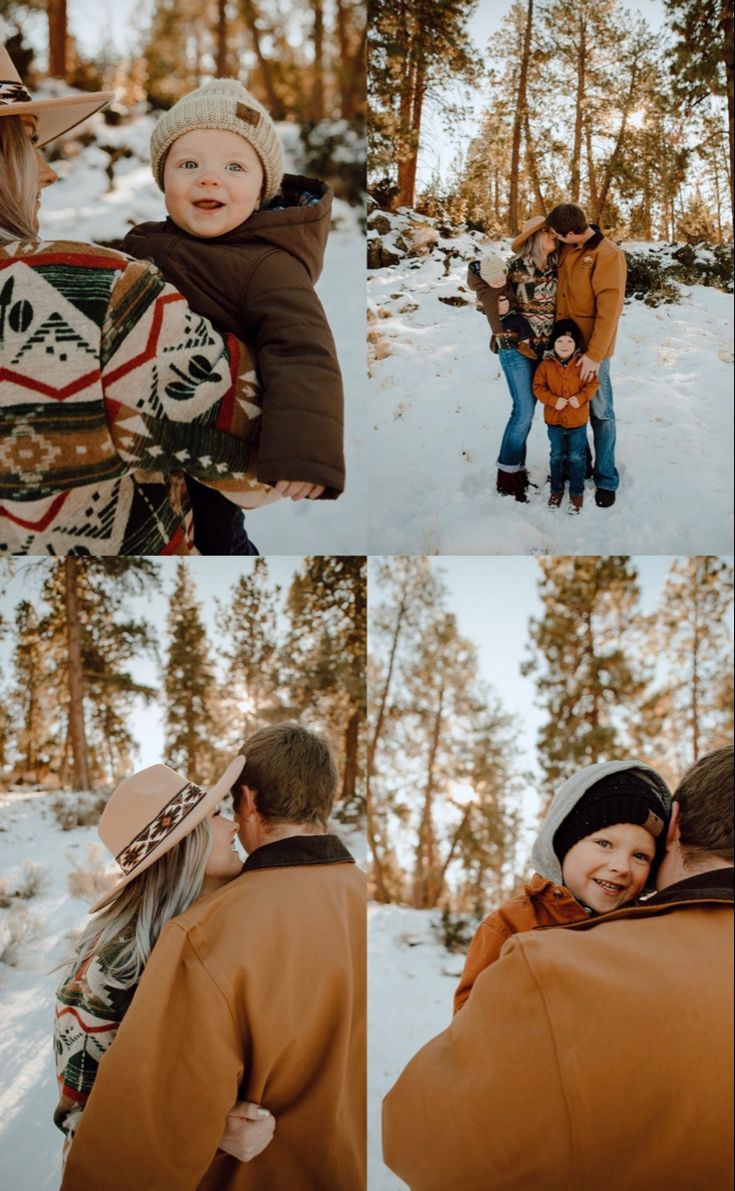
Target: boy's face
{"x": 564, "y": 346}
{"x": 212, "y": 181}
{"x": 610, "y": 867}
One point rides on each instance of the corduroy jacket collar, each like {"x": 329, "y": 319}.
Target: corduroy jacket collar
{"x": 297, "y": 850}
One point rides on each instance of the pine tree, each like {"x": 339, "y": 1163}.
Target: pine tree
{"x": 587, "y": 681}
{"x": 248, "y": 624}
{"x": 192, "y": 715}
{"x": 326, "y": 648}
{"x": 29, "y": 698}
{"x": 694, "y": 639}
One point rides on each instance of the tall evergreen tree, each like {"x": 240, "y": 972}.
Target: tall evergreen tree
{"x": 587, "y": 680}
{"x": 249, "y": 633}
{"x": 192, "y": 715}
{"x": 30, "y": 697}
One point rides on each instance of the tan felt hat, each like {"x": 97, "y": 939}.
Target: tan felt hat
{"x": 53, "y": 116}
{"x": 534, "y": 224}
{"x": 149, "y": 812}
{"x": 222, "y": 104}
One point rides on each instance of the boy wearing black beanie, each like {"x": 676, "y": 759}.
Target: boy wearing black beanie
{"x": 599, "y": 846}
{"x": 565, "y": 397}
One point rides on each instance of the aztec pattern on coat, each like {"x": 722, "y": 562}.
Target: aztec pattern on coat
{"x": 110, "y": 386}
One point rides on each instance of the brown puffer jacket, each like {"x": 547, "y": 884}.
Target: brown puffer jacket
{"x": 257, "y": 281}
{"x": 542, "y": 903}
{"x": 553, "y": 380}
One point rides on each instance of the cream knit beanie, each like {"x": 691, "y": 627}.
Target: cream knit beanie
{"x": 222, "y": 104}
{"x": 492, "y": 269}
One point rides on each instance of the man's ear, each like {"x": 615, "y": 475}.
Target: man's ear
{"x": 247, "y": 801}
{"x": 674, "y": 829}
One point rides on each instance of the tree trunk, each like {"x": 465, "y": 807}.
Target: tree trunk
{"x": 222, "y": 70}
{"x": 351, "y": 65}
{"x": 349, "y": 777}
{"x": 77, "y": 731}
{"x": 726, "y": 24}
{"x": 591, "y": 171}
{"x": 57, "y": 39}
{"x": 425, "y": 876}
{"x": 515, "y": 156}
{"x": 378, "y": 871}
{"x": 615, "y": 155}
{"x": 409, "y": 143}
{"x": 532, "y": 169}
{"x": 250, "y": 15}
{"x": 579, "y": 112}
{"x": 317, "y": 96}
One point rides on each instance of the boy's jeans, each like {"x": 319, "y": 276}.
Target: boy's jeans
{"x": 602, "y": 417}
{"x": 518, "y": 371}
{"x": 568, "y": 449}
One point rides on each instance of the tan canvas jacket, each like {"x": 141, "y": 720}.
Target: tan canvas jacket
{"x": 591, "y": 291}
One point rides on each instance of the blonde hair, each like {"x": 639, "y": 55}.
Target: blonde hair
{"x": 533, "y": 254}
{"x": 18, "y": 182}
{"x": 140, "y": 911}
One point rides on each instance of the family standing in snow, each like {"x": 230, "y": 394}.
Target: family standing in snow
{"x": 249, "y": 1009}
{"x": 597, "y": 1048}
{"x": 176, "y": 407}
{"x": 565, "y": 271}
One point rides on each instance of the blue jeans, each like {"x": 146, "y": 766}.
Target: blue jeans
{"x": 602, "y": 417}
{"x": 518, "y": 371}
{"x": 568, "y": 451}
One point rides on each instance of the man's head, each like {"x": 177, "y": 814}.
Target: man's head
{"x": 569, "y": 224}
{"x": 701, "y": 829}
{"x": 289, "y": 780}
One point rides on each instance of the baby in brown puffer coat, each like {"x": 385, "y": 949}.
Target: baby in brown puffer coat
{"x": 245, "y": 245}
{"x": 565, "y": 397}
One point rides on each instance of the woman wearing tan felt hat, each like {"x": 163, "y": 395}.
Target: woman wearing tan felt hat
{"x": 171, "y": 846}
{"x": 109, "y": 382}
{"x": 519, "y": 304}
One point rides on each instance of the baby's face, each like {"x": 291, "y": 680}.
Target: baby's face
{"x": 610, "y": 867}
{"x": 212, "y": 181}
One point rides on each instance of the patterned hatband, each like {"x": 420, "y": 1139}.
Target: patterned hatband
{"x": 169, "y": 817}
{"x": 11, "y": 92}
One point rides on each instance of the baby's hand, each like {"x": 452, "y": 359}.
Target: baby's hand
{"x": 574, "y": 403}
{"x": 561, "y": 403}
{"x": 297, "y": 490}
{"x": 248, "y": 1130}
{"x": 503, "y": 306}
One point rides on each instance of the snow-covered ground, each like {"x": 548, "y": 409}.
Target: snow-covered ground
{"x": 30, "y": 1144}
{"x": 79, "y": 207}
{"x": 411, "y": 982}
{"x": 439, "y": 405}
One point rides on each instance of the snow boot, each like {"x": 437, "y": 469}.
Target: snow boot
{"x": 506, "y": 482}
{"x": 555, "y": 500}
{"x": 604, "y": 498}
{"x": 576, "y": 503}
{"x": 520, "y": 485}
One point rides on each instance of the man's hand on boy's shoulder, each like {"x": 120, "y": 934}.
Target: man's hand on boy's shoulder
{"x": 297, "y": 490}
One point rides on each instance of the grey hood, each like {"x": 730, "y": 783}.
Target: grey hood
{"x": 545, "y": 859}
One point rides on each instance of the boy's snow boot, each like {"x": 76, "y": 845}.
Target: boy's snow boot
{"x": 576, "y": 503}
{"x": 555, "y": 500}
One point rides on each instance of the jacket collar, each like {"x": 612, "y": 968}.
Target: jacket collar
{"x": 717, "y": 884}
{"x": 298, "y": 850}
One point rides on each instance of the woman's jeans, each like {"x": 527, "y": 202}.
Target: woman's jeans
{"x": 518, "y": 371}
{"x": 568, "y": 454}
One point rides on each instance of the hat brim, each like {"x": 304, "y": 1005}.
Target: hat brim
{"x": 200, "y": 812}
{"x": 523, "y": 236}
{"x": 56, "y": 116}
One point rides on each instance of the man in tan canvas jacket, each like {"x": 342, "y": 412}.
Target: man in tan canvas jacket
{"x": 257, "y": 992}
{"x": 596, "y": 1054}
{"x": 591, "y": 290}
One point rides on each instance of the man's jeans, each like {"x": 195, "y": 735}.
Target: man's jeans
{"x": 602, "y": 418}
{"x": 518, "y": 371}
{"x": 568, "y": 456}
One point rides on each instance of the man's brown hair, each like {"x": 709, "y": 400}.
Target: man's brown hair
{"x": 705, "y": 796}
{"x": 292, "y": 772}
{"x": 566, "y": 218}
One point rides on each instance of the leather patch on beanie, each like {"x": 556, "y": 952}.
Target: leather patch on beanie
{"x": 247, "y": 115}
{"x": 653, "y": 825}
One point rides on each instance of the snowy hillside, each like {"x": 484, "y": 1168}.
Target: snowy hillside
{"x": 439, "y": 405}
{"x": 81, "y": 207}
{"x": 30, "y": 1143}
{"x": 411, "y": 983}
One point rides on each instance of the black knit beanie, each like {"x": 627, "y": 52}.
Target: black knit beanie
{"x": 627, "y": 796}
{"x": 566, "y": 326}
